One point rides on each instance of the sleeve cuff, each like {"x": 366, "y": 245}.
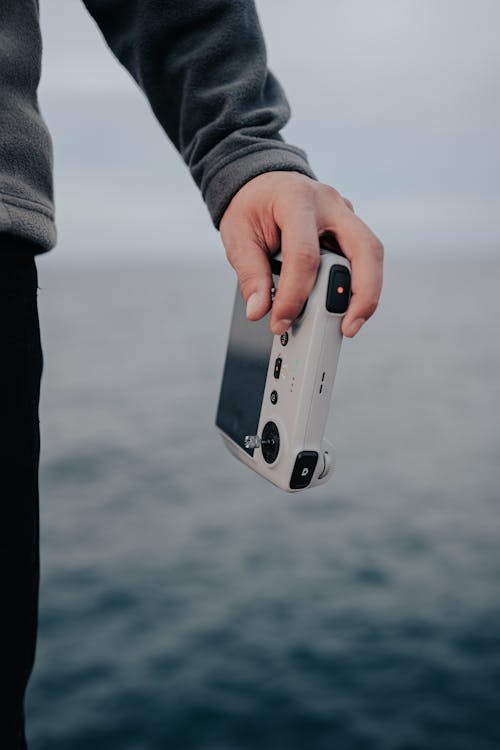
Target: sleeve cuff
{"x": 226, "y": 182}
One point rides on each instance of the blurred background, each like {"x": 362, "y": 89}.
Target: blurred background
{"x": 185, "y": 603}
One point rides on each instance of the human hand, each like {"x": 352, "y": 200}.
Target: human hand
{"x": 290, "y": 211}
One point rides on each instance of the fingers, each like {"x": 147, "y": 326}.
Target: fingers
{"x": 300, "y": 251}
{"x": 293, "y": 210}
{"x": 365, "y": 252}
{"x": 300, "y": 247}
{"x": 251, "y": 264}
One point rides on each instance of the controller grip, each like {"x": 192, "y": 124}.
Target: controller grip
{"x": 327, "y": 467}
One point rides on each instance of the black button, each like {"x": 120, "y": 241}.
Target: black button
{"x": 277, "y": 367}
{"x": 284, "y": 339}
{"x": 275, "y": 266}
{"x": 339, "y": 289}
{"x": 274, "y": 397}
{"x": 303, "y": 470}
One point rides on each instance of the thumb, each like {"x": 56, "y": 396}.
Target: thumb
{"x": 252, "y": 267}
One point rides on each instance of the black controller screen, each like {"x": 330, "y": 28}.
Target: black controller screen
{"x": 245, "y": 373}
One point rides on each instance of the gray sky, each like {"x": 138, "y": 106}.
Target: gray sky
{"x": 395, "y": 102}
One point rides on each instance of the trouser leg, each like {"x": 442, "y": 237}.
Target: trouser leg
{"x": 21, "y": 364}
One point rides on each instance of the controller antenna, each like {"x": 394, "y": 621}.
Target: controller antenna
{"x": 254, "y": 441}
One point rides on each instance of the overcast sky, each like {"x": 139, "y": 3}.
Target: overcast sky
{"x": 395, "y": 102}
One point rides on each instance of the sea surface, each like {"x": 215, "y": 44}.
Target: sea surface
{"x": 186, "y": 604}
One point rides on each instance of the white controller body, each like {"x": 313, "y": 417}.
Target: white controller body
{"x": 298, "y": 387}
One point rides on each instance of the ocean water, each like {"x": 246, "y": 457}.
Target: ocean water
{"x": 186, "y": 604}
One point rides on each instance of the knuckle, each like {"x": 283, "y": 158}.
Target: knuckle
{"x": 299, "y": 192}
{"x": 232, "y": 254}
{"x": 370, "y": 306}
{"x": 378, "y": 250}
{"x": 246, "y": 278}
{"x": 325, "y": 189}
{"x": 330, "y": 193}
{"x": 307, "y": 259}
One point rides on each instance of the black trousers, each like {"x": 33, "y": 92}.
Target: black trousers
{"x": 21, "y": 364}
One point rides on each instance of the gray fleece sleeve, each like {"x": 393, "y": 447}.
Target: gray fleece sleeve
{"x": 202, "y": 65}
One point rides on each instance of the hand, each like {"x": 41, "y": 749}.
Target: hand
{"x": 290, "y": 211}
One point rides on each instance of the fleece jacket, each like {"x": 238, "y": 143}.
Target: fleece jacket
{"x": 201, "y": 64}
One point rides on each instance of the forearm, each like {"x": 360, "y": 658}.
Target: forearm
{"x": 202, "y": 64}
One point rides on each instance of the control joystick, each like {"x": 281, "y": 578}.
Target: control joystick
{"x": 269, "y": 443}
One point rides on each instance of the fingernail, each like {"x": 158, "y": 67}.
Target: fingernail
{"x": 281, "y": 326}
{"x": 253, "y": 305}
{"x": 355, "y": 326}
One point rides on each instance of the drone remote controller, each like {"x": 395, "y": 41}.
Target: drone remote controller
{"x": 276, "y": 390}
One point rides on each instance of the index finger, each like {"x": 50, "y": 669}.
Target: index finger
{"x": 300, "y": 251}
